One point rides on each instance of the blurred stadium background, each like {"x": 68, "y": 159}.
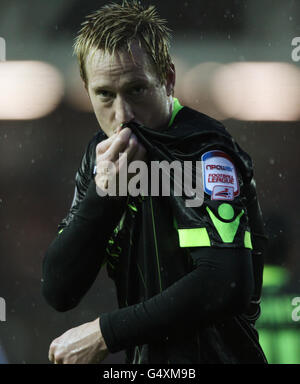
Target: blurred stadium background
{"x": 234, "y": 62}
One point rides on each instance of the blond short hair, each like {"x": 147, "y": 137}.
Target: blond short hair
{"x": 116, "y": 26}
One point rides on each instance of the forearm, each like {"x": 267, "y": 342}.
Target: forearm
{"x": 75, "y": 256}
{"x": 220, "y": 287}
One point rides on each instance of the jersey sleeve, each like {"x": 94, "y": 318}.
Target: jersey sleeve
{"x": 83, "y": 178}
{"x": 220, "y": 219}
{"x": 81, "y": 242}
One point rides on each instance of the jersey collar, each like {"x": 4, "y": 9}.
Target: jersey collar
{"x": 176, "y": 108}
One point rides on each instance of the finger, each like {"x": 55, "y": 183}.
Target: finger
{"x": 51, "y": 353}
{"x": 129, "y": 152}
{"x": 118, "y": 145}
{"x": 58, "y": 360}
{"x": 51, "y": 358}
{"x": 132, "y": 147}
{"x": 140, "y": 154}
{"x": 105, "y": 144}
{"x": 120, "y": 127}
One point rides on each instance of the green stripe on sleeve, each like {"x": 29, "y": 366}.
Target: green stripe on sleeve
{"x": 247, "y": 240}
{"x": 193, "y": 237}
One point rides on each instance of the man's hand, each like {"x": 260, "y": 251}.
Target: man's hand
{"x": 81, "y": 345}
{"x": 123, "y": 143}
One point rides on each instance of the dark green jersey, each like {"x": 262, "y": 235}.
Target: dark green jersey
{"x": 188, "y": 278}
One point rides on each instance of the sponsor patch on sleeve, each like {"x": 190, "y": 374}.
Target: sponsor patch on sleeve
{"x": 219, "y": 176}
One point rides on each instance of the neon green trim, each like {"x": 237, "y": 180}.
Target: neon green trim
{"x": 175, "y": 223}
{"x": 227, "y": 231}
{"x": 226, "y": 211}
{"x": 176, "y": 108}
{"x": 247, "y": 240}
{"x": 193, "y": 237}
{"x": 274, "y": 276}
{"x": 60, "y": 231}
{"x": 132, "y": 207}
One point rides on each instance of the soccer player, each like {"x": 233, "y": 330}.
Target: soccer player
{"x": 188, "y": 278}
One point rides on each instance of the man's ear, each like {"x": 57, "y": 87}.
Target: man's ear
{"x": 170, "y": 80}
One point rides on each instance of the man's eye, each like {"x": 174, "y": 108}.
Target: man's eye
{"x": 104, "y": 94}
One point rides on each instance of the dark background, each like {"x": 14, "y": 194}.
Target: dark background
{"x": 39, "y": 157}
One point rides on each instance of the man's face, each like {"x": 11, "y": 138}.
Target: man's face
{"x": 122, "y": 90}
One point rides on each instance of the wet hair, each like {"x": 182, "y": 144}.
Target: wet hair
{"x": 116, "y": 26}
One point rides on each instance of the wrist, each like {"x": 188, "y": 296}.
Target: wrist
{"x": 100, "y": 338}
{"x": 94, "y": 207}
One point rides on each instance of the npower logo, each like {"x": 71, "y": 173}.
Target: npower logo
{"x": 2, "y": 309}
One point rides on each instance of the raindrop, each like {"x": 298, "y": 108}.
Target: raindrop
{"x": 272, "y": 161}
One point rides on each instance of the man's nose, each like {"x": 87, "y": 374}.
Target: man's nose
{"x": 123, "y": 111}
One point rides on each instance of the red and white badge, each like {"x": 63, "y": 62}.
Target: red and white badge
{"x": 219, "y": 176}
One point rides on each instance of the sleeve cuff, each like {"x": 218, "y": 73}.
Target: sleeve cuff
{"x": 108, "y": 334}
{"x": 93, "y": 206}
